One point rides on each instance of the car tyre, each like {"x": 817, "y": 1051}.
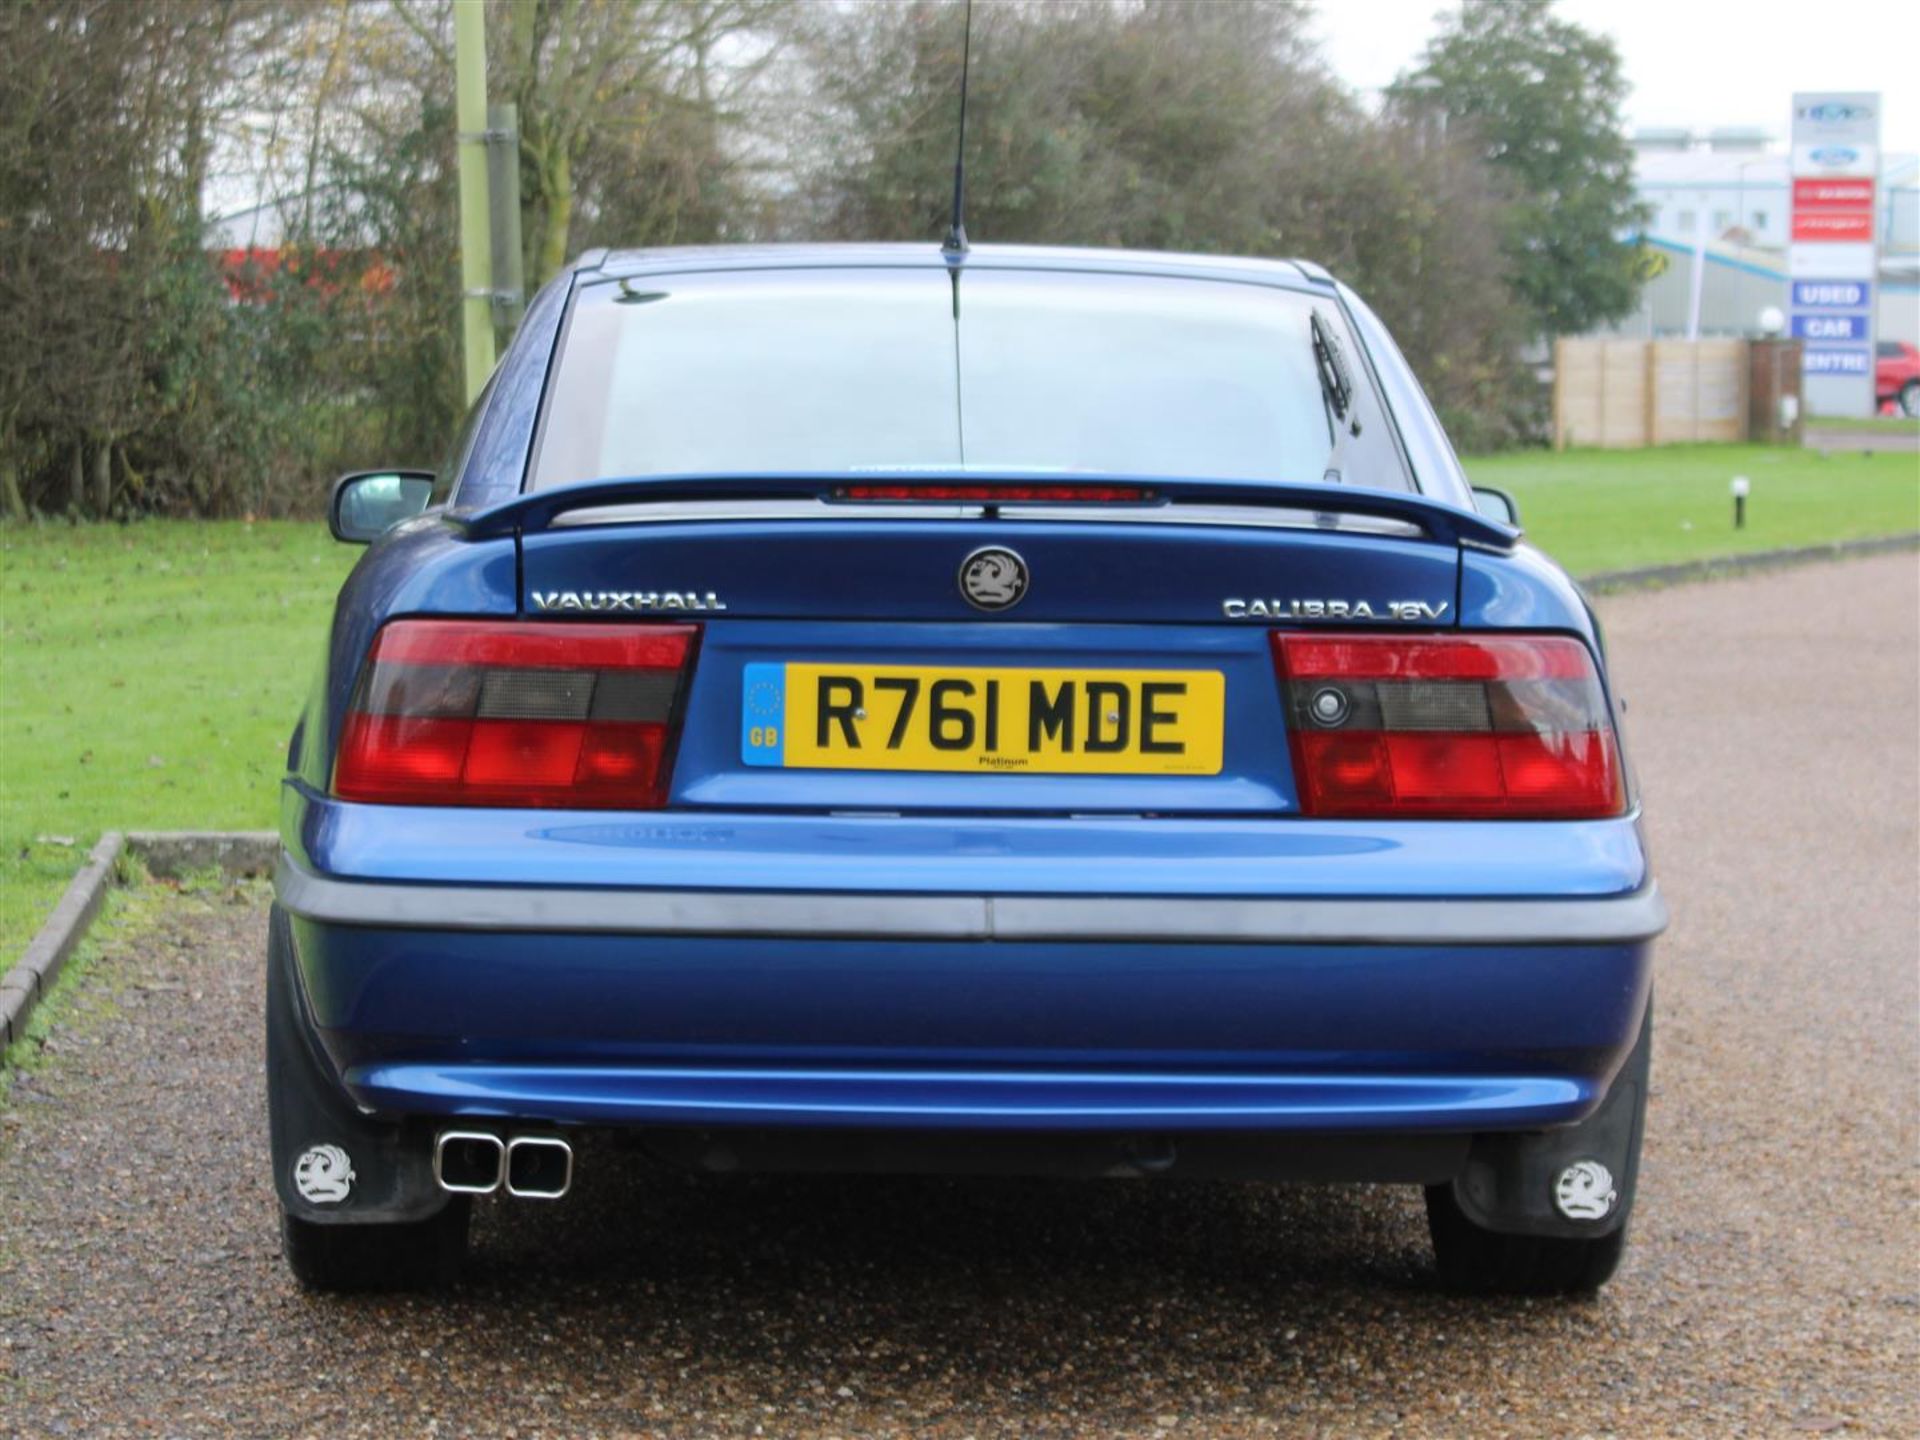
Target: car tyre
{"x": 1475, "y": 1260}
{"x": 411, "y": 1255}
{"x": 1910, "y": 399}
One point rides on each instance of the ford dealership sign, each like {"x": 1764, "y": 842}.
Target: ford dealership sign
{"x": 1834, "y": 256}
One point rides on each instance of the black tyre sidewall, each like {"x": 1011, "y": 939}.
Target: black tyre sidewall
{"x": 406, "y": 1255}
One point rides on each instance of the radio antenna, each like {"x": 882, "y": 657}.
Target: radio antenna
{"x": 956, "y": 241}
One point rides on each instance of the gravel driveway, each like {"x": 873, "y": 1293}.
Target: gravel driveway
{"x": 1773, "y": 1286}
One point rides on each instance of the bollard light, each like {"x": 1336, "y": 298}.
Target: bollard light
{"x": 1740, "y": 487}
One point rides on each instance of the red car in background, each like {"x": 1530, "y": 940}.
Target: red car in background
{"x": 1896, "y": 376}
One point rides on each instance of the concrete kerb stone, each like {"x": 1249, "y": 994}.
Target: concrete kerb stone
{"x": 1726, "y": 565}
{"x": 48, "y": 951}
{"x": 167, "y": 853}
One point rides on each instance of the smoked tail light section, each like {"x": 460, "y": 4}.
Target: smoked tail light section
{"x": 457, "y": 712}
{"x": 1440, "y": 727}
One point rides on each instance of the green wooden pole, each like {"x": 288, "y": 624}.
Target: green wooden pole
{"x": 503, "y": 200}
{"x": 476, "y": 256}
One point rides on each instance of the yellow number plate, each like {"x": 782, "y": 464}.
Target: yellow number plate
{"x": 984, "y": 719}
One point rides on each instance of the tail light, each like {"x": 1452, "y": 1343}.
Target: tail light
{"x": 1512, "y": 726}
{"x": 454, "y": 712}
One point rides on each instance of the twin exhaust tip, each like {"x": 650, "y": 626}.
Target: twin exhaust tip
{"x": 477, "y": 1162}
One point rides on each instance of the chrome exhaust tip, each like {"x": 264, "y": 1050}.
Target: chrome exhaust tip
{"x": 539, "y": 1167}
{"x": 469, "y": 1162}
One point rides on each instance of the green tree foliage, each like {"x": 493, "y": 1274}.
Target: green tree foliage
{"x": 150, "y": 362}
{"x": 622, "y": 109}
{"x": 1181, "y": 125}
{"x": 1542, "y": 97}
{"x": 130, "y": 379}
{"x": 1090, "y": 123}
{"x": 387, "y": 217}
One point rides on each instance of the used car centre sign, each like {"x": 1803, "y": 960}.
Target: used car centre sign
{"x": 1834, "y": 257}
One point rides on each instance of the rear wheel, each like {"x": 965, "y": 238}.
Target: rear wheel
{"x": 1482, "y": 1261}
{"x": 412, "y": 1255}
{"x": 1910, "y": 398}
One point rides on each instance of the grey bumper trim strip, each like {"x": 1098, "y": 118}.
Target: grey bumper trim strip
{"x": 1639, "y": 916}
{"x": 1189, "y": 919}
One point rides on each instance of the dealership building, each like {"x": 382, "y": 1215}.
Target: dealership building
{"x": 1724, "y": 196}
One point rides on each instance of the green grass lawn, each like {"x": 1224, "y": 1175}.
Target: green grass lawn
{"x": 1877, "y": 425}
{"x": 150, "y": 674}
{"x": 1595, "y": 510}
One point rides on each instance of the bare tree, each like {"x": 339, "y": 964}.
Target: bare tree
{"x": 149, "y": 364}
{"x": 1180, "y": 125}
{"x": 619, "y": 92}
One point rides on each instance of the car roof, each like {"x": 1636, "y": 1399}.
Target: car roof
{"x": 682, "y": 259}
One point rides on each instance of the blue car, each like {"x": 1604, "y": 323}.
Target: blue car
{"x": 878, "y": 708}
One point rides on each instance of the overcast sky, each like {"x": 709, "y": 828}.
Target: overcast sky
{"x": 1697, "y": 63}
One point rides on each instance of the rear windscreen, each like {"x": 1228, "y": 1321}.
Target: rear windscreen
{"x": 870, "y": 370}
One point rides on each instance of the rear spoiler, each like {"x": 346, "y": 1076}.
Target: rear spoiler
{"x": 536, "y": 511}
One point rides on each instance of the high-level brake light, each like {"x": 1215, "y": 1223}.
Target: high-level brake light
{"x": 1512, "y": 726}
{"x": 456, "y": 712}
{"x": 995, "y": 493}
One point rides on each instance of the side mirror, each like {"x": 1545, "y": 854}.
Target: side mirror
{"x": 1496, "y": 505}
{"x": 368, "y": 503}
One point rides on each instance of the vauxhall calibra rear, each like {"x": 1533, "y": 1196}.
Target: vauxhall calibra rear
{"x": 880, "y": 708}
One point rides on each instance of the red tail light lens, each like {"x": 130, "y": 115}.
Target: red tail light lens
{"x": 1511, "y": 726}
{"x": 456, "y": 712}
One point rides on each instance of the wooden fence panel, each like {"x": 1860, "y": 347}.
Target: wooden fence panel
{"x": 1699, "y": 391}
{"x": 1623, "y": 394}
{"x": 1600, "y": 393}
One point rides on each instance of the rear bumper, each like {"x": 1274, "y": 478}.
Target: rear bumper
{"x": 1153, "y": 1101}
{"x": 1003, "y": 1012}
{"x": 1187, "y": 920}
